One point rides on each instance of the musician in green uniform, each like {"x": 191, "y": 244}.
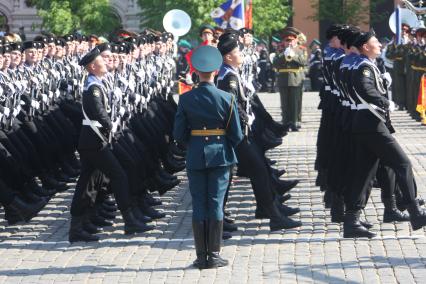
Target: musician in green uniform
{"x": 289, "y": 66}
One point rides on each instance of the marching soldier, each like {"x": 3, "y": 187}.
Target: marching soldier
{"x": 374, "y": 142}
{"x": 315, "y": 65}
{"x": 96, "y": 154}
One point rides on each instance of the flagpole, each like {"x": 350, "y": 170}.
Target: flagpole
{"x": 244, "y": 13}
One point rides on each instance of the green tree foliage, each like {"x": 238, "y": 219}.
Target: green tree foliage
{"x": 268, "y": 16}
{"x": 65, "y": 16}
{"x": 347, "y": 11}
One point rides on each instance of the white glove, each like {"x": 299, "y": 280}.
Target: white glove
{"x": 118, "y": 92}
{"x": 188, "y": 79}
{"x": 122, "y": 111}
{"x": 138, "y": 98}
{"x": 6, "y": 111}
{"x": 115, "y": 126}
{"x": 387, "y": 76}
{"x": 16, "y": 111}
{"x": 44, "y": 98}
{"x": 50, "y": 94}
{"x": 143, "y": 100}
{"x": 250, "y": 119}
{"x": 392, "y": 106}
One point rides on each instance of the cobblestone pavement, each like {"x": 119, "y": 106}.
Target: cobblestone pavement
{"x": 39, "y": 252}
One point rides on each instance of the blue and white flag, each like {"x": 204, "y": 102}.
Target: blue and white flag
{"x": 230, "y": 14}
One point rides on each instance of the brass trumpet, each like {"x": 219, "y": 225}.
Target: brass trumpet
{"x": 289, "y": 53}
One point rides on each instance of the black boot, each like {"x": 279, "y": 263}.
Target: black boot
{"x": 140, "y": 216}
{"x": 152, "y": 201}
{"x": 417, "y": 215}
{"x": 284, "y": 198}
{"x": 26, "y": 211}
{"x": 286, "y": 210}
{"x": 283, "y": 186}
{"x": 215, "y": 229}
{"x": 328, "y": 199}
{"x": 229, "y": 227}
{"x": 352, "y": 228}
{"x": 337, "y": 210}
{"x": 90, "y": 227}
{"x": 133, "y": 225}
{"x": 98, "y": 220}
{"x": 280, "y": 222}
{"x": 200, "y": 240}
{"x": 77, "y": 233}
{"x": 391, "y": 213}
{"x": 40, "y": 191}
{"x": 149, "y": 211}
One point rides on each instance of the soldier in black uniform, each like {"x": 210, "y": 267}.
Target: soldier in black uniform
{"x": 315, "y": 65}
{"x": 374, "y": 142}
{"x": 250, "y": 157}
{"x": 96, "y": 154}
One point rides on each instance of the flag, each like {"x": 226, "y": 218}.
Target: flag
{"x": 398, "y": 25}
{"x": 249, "y": 15}
{"x": 421, "y": 99}
{"x": 230, "y": 14}
{"x": 183, "y": 87}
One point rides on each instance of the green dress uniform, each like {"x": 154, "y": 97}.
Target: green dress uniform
{"x": 207, "y": 122}
{"x": 290, "y": 76}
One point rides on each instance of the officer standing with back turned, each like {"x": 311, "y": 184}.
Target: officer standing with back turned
{"x": 207, "y": 121}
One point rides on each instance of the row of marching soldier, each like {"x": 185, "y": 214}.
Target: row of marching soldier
{"x": 356, "y": 150}
{"x": 113, "y": 104}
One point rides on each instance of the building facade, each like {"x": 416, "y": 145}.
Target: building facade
{"x": 303, "y": 11}
{"x": 16, "y": 15}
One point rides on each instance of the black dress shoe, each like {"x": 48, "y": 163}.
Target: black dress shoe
{"x": 284, "y": 198}
{"x": 278, "y": 173}
{"x": 100, "y": 221}
{"x": 90, "y": 227}
{"x": 152, "y": 200}
{"x": 106, "y": 214}
{"x": 271, "y": 162}
{"x": 107, "y": 207}
{"x": 228, "y": 227}
{"x": 77, "y": 233}
{"x": 140, "y": 216}
{"x": 283, "y": 223}
{"x": 149, "y": 211}
{"x": 226, "y": 235}
{"x": 133, "y": 225}
{"x": 283, "y": 186}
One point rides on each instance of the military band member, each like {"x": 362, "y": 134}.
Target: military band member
{"x": 290, "y": 68}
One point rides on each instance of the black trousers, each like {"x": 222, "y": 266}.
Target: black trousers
{"x": 104, "y": 161}
{"x": 252, "y": 162}
{"x": 6, "y": 194}
{"x": 370, "y": 149}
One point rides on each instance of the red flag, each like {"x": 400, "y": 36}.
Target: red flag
{"x": 248, "y": 15}
{"x": 421, "y": 99}
{"x": 183, "y": 87}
